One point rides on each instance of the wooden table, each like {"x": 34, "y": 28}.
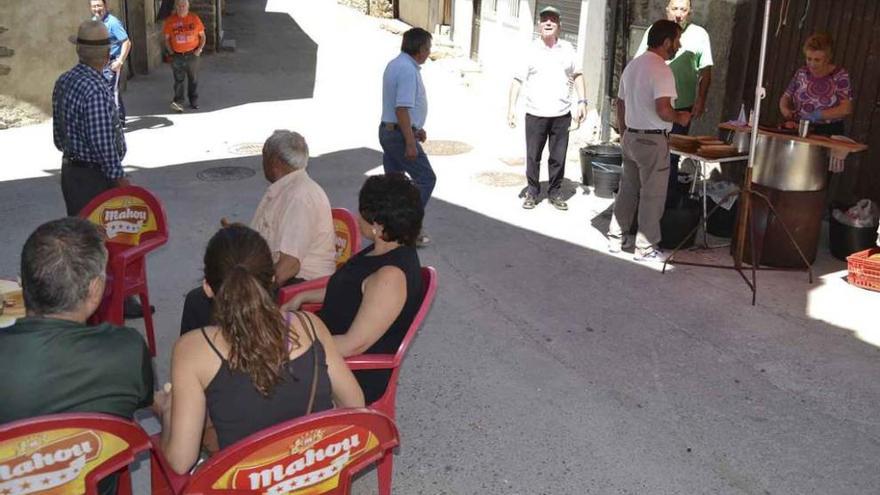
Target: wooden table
{"x": 823, "y": 141}
{"x": 14, "y": 306}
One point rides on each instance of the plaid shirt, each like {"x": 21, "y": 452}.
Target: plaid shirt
{"x": 85, "y": 122}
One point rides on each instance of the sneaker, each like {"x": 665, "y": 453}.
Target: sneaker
{"x": 558, "y": 203}
{"x": 616, "y": 244}
{"x": 529, "y": 202}
{"x": 177, "y": 107}
{"x": 650, "y": 255}
{"x": 423, "y": 240}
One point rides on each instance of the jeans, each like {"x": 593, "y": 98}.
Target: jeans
{"x": 393, "y": 160}
{"x": 540, "y": 130}
{"x": 185, "y": 67}
{"x": 112, "y": 78}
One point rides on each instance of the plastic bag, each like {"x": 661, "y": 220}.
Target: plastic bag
{"x": 863, "y": 214}
{"x": 723, "y": 193}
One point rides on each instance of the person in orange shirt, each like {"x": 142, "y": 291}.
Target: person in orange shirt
{"x": 184, "y": 40}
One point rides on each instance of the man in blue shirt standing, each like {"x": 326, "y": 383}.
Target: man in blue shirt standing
{"x": 404, "y": 110}
{"x": 120, "y": 47}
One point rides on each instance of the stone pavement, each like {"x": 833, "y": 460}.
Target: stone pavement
{"x": 546, "y": 365}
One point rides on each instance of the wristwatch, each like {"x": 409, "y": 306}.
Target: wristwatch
{"x": 584, "y": 101}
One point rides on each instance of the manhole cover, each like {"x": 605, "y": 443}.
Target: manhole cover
{"x": 446, "y": 147}
{"x": 246, "y": 149}
{"x": 500, "y": 179}
{"x": 221, "y": 174}
{"x": 513, "y": 162}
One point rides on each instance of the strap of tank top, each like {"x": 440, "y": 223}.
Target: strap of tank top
{"x": 212, "y": 345}
{"x": 309, "y": 327}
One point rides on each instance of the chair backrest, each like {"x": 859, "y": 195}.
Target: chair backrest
{"x": 313, "y": 455}
{"x": 128, "y": 214}
{"x": 348, "y": 236}
{"x": 429, "y": 290}
{"x": 67, "y": 453}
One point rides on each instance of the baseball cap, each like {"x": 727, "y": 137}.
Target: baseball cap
{"x": 549, "y": 10}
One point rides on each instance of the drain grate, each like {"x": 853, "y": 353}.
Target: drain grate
{"x": 225, "y": 174}
{"x": 513, "y": 162}
{"x": 446, "y": 147}
{"x": 500, "y": 179}
{"x": 246, "y": 149}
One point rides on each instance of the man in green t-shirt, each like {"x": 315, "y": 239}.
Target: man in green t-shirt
{"x": 692, "y": 70}
{"x": 51, "y": 361}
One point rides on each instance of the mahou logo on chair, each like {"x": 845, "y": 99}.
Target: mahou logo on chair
{"x": 54, "y": 463}
{"x": 306, "y": 464}
{"x": 124, "y": 219}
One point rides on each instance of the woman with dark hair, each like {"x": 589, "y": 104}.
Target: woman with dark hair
{"x": 258, "y": 367}
{"x": 370, "y": 302}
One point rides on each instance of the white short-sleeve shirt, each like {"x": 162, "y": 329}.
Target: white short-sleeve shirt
{"x": 294, "y": 217}
{"x": 547, "y": 74}
{"x": 644, "y": 80}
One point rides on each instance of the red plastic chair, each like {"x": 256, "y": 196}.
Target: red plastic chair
{"x": 83, "y": 448}
{"x": 386, "y": 404}
{"x": 348, "y": 235}
{"x": 136, "y": 224}
{"x": 317, "y": 454}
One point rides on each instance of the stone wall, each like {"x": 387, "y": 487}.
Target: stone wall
{"x": 207, "y": 10}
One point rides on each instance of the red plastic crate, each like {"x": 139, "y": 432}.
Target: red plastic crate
{"x": 864, "y": 272}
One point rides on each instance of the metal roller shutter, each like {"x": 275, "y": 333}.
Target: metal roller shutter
{"x": 570, "y": 17}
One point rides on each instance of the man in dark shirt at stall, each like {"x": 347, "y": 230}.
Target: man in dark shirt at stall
{"x": 51, "y": 361}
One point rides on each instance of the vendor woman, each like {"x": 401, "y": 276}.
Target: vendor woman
{"x": 819, "y": 91}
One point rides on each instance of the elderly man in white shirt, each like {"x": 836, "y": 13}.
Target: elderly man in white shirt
{"x": 645, "y": 115}
{"x": 294, "y": 217}
{"x": 549, "y": 70}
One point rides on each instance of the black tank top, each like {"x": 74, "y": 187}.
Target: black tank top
{"x": 237, "y": 408}
{"x": 343, "y": 298}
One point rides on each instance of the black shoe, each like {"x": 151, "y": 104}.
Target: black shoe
{"x": 558, "y": 203}
{"x": 132, "y": 309}
{"x": 529, "y": 202}
{"x": 194, "y": 106}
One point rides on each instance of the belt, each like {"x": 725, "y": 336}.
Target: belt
{"x": 393, "y": 126}
{"x": 72, "y": 162}
{"x": 185, "y": 53}
{"x": 648, "y": 131}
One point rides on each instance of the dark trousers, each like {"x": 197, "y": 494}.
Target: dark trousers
{"x": 393, "y": 160}
{"x": 185, "y": 67}
{"x": 672, "y": 190}
{"x": 79, "y": 184}
{"x": 540, "y": 130}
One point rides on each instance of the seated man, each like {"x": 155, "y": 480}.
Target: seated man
{"x": 51, "y": 361}
{"x": 293, "y": 216}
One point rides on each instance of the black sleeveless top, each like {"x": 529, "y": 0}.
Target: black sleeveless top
{"x": 237, "y": 408}
{"x": 343, "y": 298}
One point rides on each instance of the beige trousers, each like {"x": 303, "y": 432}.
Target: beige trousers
{"x": 642, "y": 188}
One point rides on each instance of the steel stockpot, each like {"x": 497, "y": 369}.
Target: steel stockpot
{"x": 789, "y": 165}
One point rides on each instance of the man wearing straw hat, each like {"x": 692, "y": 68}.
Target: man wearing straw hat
{"x": 86, "y": 125}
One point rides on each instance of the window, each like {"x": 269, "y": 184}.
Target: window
{"x": 513, "y": 6}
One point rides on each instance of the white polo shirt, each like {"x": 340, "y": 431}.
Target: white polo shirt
{"x": 294, "y": 217}
{"x": 547, "y": 74}
{"x": 644, "y": 80}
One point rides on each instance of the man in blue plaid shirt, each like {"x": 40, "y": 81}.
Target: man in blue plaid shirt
{"x": 86, "y": 124}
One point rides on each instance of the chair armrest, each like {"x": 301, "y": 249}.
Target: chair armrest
{"x": 134, "y": 252}
{"x": 311, "y": 307}
{"x": 286, "y": 293}
{"x": 371, "y": 362}
{"x": 165, "y": 473}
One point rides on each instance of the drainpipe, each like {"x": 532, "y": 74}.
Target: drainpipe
{"x": 610, "y": 50}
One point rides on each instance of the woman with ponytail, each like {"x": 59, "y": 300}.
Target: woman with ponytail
{"x": 258, "y": 366}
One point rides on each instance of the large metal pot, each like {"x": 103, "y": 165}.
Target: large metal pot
{"x": 786, "y": 164}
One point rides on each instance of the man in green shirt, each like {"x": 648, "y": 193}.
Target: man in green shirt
{"x": 692, "y": 70}
{"x": 51, "y": 361}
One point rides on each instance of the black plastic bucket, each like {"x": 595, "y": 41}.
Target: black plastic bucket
{"x": 678, "y": 222}
{"x": 606, "y": 179}
{"x": 598, "y": 153}
{"x": 846, "y": 239}
{"x": 721, "y": 222}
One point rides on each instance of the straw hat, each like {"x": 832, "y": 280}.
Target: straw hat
{"x": 91, "y": 34}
